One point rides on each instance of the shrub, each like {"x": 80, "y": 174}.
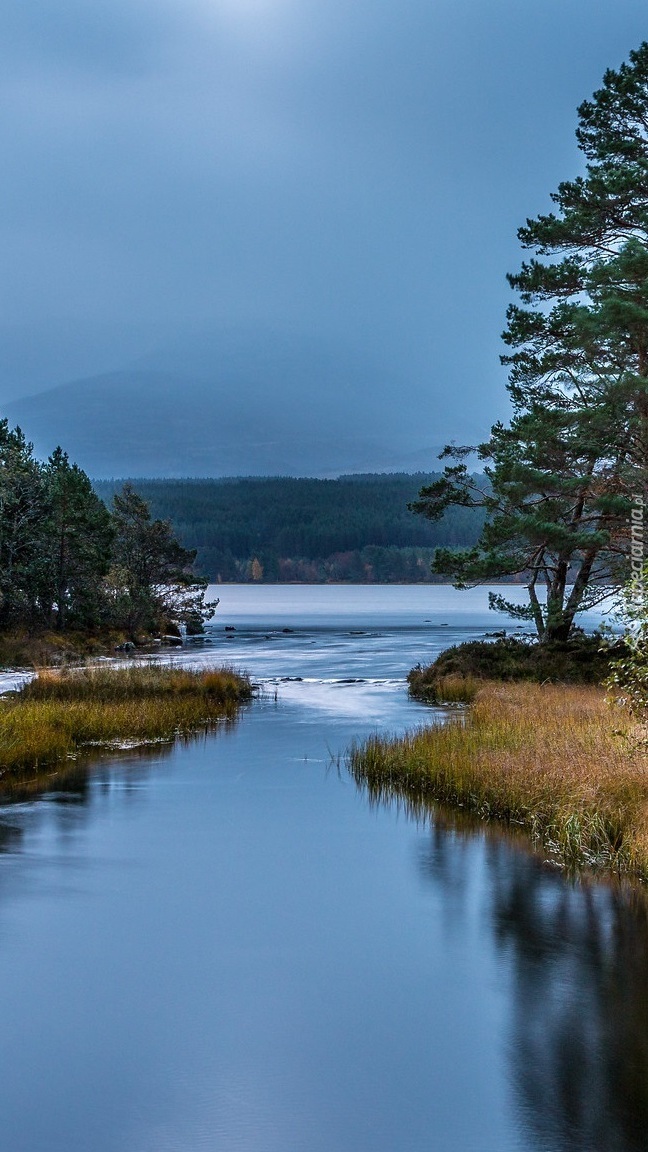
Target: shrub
{"x": 583, "y": 660}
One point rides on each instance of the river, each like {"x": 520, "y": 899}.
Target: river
{"x": 222, "y": 946}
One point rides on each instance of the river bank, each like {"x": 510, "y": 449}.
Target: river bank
{"x": 556, "y": 760}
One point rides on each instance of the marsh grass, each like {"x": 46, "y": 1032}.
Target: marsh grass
{"x": 60, "y": 714}
{"x": 109, "y": 683}
{"x": 557, "y": 761}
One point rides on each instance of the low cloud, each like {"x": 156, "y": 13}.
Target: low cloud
{"x": 353, "y": 169}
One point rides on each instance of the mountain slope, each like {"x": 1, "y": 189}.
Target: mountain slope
{"x": 272, "y": 411}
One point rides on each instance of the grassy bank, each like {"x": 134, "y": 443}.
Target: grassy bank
{"x": 555, "y": 760}
{"x": 62, "y": 714}
{"x": 23, "y": 649}
{"x": 583, "y": 660}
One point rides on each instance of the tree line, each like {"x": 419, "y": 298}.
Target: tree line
{"x": 567, "y": 477}
{"x": 355, "y": 529}
{"x": 68, "y": 562}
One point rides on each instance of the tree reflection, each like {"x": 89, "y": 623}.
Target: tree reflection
{"x": 577, "y": 954}
{"x": 66, "y": 797}
{"x": 11, "y": 835}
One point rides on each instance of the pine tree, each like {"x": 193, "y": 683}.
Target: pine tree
{"x": 587, "y": 339}
{"x": 79, "y": 536}
{"x": 22, "y": 545}
{"x": 562, "y": 475}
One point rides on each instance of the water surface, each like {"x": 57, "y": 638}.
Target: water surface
{"x": 223, "y": 946}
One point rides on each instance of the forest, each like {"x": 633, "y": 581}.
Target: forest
{"x": 356, "y": 528}
{"x": 68, "y": 562}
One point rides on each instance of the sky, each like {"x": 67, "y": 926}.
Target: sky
{"x": 349, "y": 170}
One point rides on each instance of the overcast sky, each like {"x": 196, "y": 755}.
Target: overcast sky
{"x": 350, "y": 169}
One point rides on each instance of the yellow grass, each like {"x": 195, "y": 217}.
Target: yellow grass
{"x": 61, "y": 713}
{"x": 453, "y": 689}
{"x": 559, "y": 761}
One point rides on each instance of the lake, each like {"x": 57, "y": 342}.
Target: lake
{"x": 223, "y": 946}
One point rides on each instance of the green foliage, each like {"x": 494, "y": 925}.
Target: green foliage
{"x": 563, "y": 474}
{"x": 67, "y": 563}
{"x": 22, "y": 503}
{"x": 627, "y": 683}
{"x": 78, "y": 535}
{"x": 55, "y": 538}
{"x": 151, "y": 579}
{"x": 355, "y": 529}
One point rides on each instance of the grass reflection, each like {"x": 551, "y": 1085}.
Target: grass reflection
{"x": 54, "y": 726}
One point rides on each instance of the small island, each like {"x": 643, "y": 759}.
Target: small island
{"x": 66, "y": 714}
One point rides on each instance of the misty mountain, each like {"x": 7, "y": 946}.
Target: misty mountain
{"x": 277, "y": 408}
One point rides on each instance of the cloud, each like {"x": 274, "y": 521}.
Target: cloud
{"x": 356, "y": 168}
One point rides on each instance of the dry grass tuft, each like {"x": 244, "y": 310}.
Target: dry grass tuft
{"x": 130, "y": 681}
{"x": 452, "y": 689}
{"x": 559, "y": 761}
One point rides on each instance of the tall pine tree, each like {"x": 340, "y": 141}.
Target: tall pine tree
{"x": 562, "y": 475}
{"x": 22, "y": 537}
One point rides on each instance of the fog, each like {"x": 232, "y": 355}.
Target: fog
{"x": 345, "y": 172}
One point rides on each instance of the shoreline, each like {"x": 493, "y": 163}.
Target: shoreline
{"x": 556, "y": 761}
{"x": 60, "y": 716}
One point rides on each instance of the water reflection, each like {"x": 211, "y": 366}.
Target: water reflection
{"x": 97, "y": 768}
{"x": 220, "y": 946}
{"x": 11, "y": 834}
{"x": 576, "y": 958}
{"x": 44, "y": 816}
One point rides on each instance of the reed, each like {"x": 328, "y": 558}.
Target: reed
{"x": 62, "y": 713}
{"x": 557, "y": 761}
{"x": 451, "y": 689}
{"x": 130, "y": 681}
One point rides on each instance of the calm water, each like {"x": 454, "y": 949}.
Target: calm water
{"x": 223, "y": 946}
